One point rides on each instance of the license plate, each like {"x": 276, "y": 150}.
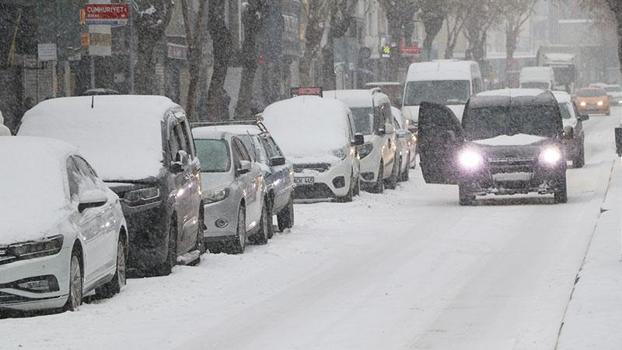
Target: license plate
{"x": 304, "y": 180}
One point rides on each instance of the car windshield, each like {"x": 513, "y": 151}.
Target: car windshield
{"x": 214, "y": 155}
{"x": 253, "y": 146}
{"x": 492, "y": 121}
{"x": 446, "y": 92}
{"x": 535, "y": 85}
{"x": 363, "y": 120}
{"x": 591, "y": 93}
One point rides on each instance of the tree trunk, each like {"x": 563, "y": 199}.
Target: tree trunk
{"x": 395, "y": 32}
{"x": 217, "y": 98}
{"x": 194, "y": 40}
{"x": 145, "y": 71}
{"x": 433, "y": 26}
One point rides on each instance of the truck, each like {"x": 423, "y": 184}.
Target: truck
{"x": 563, "y": 60}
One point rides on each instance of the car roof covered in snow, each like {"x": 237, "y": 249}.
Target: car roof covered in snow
{"x": 443, "y": 70}
{"x": 121, "y": 135}
{"x": 358, "y": 98}
{"x": 562, "y": 96}
{"x": 507, "y": 97}
{"x": 236, "y": 129}
{"x": 211, "y": 133}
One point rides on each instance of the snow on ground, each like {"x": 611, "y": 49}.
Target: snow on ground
{"x": 409, "y": 269}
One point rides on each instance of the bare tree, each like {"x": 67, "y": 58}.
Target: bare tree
{"x": 459, "y": 11}
{"x": 485, "y": 14}
{"x": 433, "y": 13}
{"x": 195, "y": 41}
{"x": 400, "y": 17}
{"x": 615, "y": 9}
{"x": 222, "y": 43}
{"x": 151, "y": 19}
{"x": 314, "y": 13}
{"x": 341, "y": 14}
{"x": 515, "y": 13}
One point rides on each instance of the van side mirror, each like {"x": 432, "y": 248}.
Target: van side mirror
{"x": 91, "y": 199}
{"x": 619, "y": 141}
{"x": 359, "y": 139}
{"x": 244, "y": 168}
{"x": 277, "y": 161}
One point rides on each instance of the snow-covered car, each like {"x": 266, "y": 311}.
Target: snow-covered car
{"x": 403, "y": 141}
{"x": 4, "y": 131}
{"x": 406, "y": 136}
{"x": 371, "y": 112}
{"x": 142, "y": 148}
{"x": 317, "y": 136}
{"x": 509, "y": 142}
{"x": 574, "y": 137}
{"x": 278, "y": 172}
{"x": 62, "y": 233}
{"x": 233, "y": 192}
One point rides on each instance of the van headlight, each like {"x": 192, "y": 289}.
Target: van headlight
{"x": 366, "y": 150}
{"x": 600, "y": 103}
{"x": 470, "y": 159}
{"x": 551, "y": 155}
{"x": 217, "y": 196}
{"x": 36, "y": 249}
{"x": 583, "y": 104}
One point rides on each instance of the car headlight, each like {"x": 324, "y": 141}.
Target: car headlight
{"x": 600, "y": 103}
{"x": 217, "y": 196}
{"x": 142, "y": 196}
{"x": 470, "y": 159}
{"x": 551, "y": 155}
{"x": 340, "y": 153}
{"x": 366, "y": 150}
{"x": 36, "y": 249}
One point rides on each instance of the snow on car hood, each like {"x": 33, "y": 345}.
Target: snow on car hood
{"x": 514, "y": 140}
{"x": 412, "y": 112}
{"x": 215, "y": 181}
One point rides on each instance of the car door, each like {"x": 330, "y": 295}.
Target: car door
{"x": 192, "y": 184}
{"x": 389, "y": 146}
{"x": 281, "y": 173}
{"x": 179, "y": 180}
{"x": 250, "y": 182}
{"x": 440, "y": 137}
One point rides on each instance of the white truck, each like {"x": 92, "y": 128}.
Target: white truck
{"x": 563, "y": 60}
{"x": 537, "y": 78}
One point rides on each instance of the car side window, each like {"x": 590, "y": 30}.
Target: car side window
{"x": 185, "y": 138}
{"x": 388, "y": 118}
{"x": 244, "y": 155}
{"x": 81, "y": 176}
{"x": 275, "y": 147}
{"x": 173, "y": 141}
{"x": 73, "y": 177}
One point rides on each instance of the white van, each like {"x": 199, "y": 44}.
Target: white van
{"x": 446, "y": 82}
{"x": 371, "y": 111}
{"x": 317, "y": 136}
{"x": 537, "y": 78}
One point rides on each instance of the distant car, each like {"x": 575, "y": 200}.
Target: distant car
{"x": 509, "y": 142}
{"x": 404, "y": 155}
{"x": 278, "y": 172}
{"x": 371, "y": 112}
{"x": 614, "y": 91}
{"x": 592, "y": 100}
{"x": 142, "y": 147}
{"x": 317, "y": 135}
{"x": 574, "y": 137}
{"x": 62, "y": 234}
{"x": 233, "y": 192}
{"x": 407, "y": 136}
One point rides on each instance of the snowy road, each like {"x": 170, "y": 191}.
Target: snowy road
{"x": 409, "y": 269}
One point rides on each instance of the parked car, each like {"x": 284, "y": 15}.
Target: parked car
{"x": 233, "y": 192}
{"x": 404, "y": 148}
{"x": 574, "y": 137}
{"x": 277, "y": 171}
{"x": 4, "y": 131}
{"x": 614, "y": 91}
{"x": 592, "y": 100}
{"x": 142, "y": 147}
{"x": 407, "y": 136}
{"x": 318, "y": 136}
{"x": 62, "y": 233}
{"x": 371, "y": 112}
{"x": 509, "y": 142}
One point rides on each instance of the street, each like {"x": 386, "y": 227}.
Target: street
{"x": 408, "y": 269}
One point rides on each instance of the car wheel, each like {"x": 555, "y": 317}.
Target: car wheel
{"x": 238, "y": 245}
{"x": 165, "y": 268}
{"x": 465, "y": 195}
{"x": 392, "y": 180}
{"x": 285, "y": 218}
{"x": 561, "y": 195}
{"x": 262, "y": 236}
{"x": 379, "y": 185}
{"x": 349, "y": 196}
{"x": 579, "y": 161}
{"x": 406, "y": 174}
{"x": 74, "y": 300}
{"x": 357, "y": 188}
{"x": 119, "y": 280}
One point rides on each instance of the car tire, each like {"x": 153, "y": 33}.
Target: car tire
{"x": 406, "y": 175}
{"x": 561, "y": 195}
{"x": 76, "y": 280}
{"x": 265, "y": 226}
{"x": 465, "y": 195}
{"x": 120, "y": 277}
{"x": 238, "y": 245}
{"x": 285, "y": 218}
{"x": 379, "y": 185}
{"x": 165, "y": 268}
{"x": 391, "y": 182}
{"x": 349, "y": 196}
{"x": 579, "y": 161}
{"x": 357, "y": 188}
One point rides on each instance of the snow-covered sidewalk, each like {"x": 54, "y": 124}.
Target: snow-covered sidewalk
{"x": 594, "y": 316}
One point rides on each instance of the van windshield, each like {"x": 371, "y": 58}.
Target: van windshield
{"x": 214, "y": 155}
{"x": 492, "y": 121}
{"x": 447, "y": 92}
{"x": 363, "y": 120}
{"x": 535, "y": 85}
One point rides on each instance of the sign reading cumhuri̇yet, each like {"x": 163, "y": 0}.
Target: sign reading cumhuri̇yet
{"x": 113, "y": 14}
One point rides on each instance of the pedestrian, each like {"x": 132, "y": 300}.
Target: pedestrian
{"x": 4, "y": 131}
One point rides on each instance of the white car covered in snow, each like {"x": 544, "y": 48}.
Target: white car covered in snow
{"x": 574, "y": 135}
{"x": 371, "y": 112}
{"x": 62, "y": 233}
{"x": 317, "y": 135}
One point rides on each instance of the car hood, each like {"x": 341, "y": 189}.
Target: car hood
{"x": 215, "y": 181}
{"x": 412, "y": 112}
{"x": 509, "y": 147}
{"x": 21, "y": 224}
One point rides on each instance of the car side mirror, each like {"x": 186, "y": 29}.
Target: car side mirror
{"x": 244, "y": 168}
{"x": 568, "y": 133}
{"x": 91, "y": 199}
{"x": 381, "y": 131}
{"x": 584, "y": 117}
{"x": 359, "y": 139}
{"x": 619, "y": 141}
{"x": 182, "y": 159}
{"x": 277, "y": 161}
